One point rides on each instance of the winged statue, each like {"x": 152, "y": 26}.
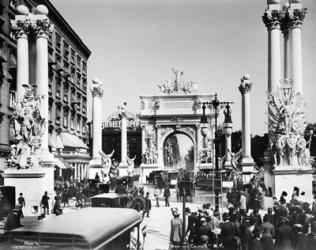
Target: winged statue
{"x": 287, "y": 123}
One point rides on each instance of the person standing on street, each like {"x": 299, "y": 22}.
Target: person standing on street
{"x": 44, "y": 202}
{"x": 228, "y": 233}
{"x": 21, "y": 202}
{"x": 147, "y": 205}
{"x": 156, "y": 194}
{"x": 167, "y": 195}
{"x": 176, "y": 230}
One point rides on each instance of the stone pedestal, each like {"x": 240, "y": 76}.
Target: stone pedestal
{"x": 286, "y": 177}
{"x": 32, "y": 183}
{"x": 145, "y": 171}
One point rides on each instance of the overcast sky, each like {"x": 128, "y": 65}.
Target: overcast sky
{"x": 135, "y": 43}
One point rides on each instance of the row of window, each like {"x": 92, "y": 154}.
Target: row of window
{"x": 76, "y": 122}
{"x": 69, "y": 55}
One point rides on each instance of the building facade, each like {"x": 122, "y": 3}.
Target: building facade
{"x": 68, "y": 57}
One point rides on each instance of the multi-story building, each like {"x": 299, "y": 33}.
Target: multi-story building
{"x": 68, "y": 57}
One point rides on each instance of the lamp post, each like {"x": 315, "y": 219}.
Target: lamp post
{"x": 215, "y": 105}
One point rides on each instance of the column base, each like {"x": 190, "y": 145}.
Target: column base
{"x": 284, "y": 178}
{"x": 32, "y": 182}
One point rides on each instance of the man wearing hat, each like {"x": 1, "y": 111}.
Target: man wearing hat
{"x": 300, "y": 238}
{"x": 312, "y": 237}
{"x": 176, "y": 229}
{"x": 228, "y": 233}
{"x": 284, "y": 237}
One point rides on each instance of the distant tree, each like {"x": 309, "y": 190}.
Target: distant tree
{"x": 259, "y": 144}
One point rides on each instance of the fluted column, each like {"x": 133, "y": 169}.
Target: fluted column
{"x": 296, "y": 15}
{"x": 159, "y": 146}
{"x": 144, "y": 143}
{"x": 21, "y": 28}
{"x": 245, "y": 88}
{"x": 97, "y": 93}
{"x": 42, "y": 28}
{"x": 271, "y": 19}
{"x": 123, "y": 139}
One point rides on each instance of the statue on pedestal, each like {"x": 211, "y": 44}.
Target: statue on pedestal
{"x": 106, "y": 164}
{"x": 131, "y": 165}
{"x": 29, "y": 127}
{"x": 287, "y": 124}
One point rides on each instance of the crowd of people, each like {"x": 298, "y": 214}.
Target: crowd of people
{"x": 285, "y": 225}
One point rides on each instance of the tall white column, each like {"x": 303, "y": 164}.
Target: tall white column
{"x": 159, "y": 146}
{"x": 271, "y": 18}
{"x": 97, "y": 93}
{"x": 296, "y": 15}
{"x": 144, "y": 142}
{"x": 245, "y": 88}
{"x": 20, "y": 27}
{"x": 42, "y": 28}
{"x": 123, "y": 139}
{"x": 287, "y": 54}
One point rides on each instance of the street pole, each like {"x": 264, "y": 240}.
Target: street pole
{"x": 215, "y": 104}
{"x": 183, "y": 218}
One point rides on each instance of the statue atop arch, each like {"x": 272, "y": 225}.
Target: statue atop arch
{"x": 178, "y": 84}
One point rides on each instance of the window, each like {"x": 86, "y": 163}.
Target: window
{"x": 84, "y": 67}
{"x": 58, "y": 114}
{"x": 65, "y": 119}
{"x": 84, "y": 85}
{"x": 66, "y": 93}
{"x": 72, "y": 56}
{"x": 12, "y": 99}
{"x": 66, "y": 50}
{"x": 58, "y": 41}
{"x": 78, "y": 123}
{"x": 72, "y": 122}
{"x": 58, "y": 90}
{"x": 78, "y": 102}
{"x": 78, "y": 62}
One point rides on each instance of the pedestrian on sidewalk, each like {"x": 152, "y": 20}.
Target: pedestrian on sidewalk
{"x": 147, "y": 205}
{"x": 167, "y": 195}
{"x": 65, "y": 197}
{"x": 176, "y": 230}
{"x": 44, "y": 203}
{"x": 21, "y": 202}
{"x": 156, "y": 194}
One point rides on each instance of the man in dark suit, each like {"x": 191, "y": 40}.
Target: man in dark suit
{"x": 191, "y": 229}
{"x": 228, "y": 233}
{"x": 301, "y": 240}
{"x": 245, "y": 234}
{"x": 284, "y": 235}
{"x": 205, "y": 234}
{"x": 255, "y": 243}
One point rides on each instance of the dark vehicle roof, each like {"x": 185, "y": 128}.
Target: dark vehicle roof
{"x": 109, "y": 195}
{"x": 96, "y": 226}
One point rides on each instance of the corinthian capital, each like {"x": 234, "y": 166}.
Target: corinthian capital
{"x": 296, "y": 17}
{"x": 96, "y": 88}
{"x": 245, "y": 85}
{"x": 272, "y": 19}
{"x": 42, "y": 27}
{"x": 20, "y": 27}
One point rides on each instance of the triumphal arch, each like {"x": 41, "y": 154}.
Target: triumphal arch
{"x": 172, "y": 135}
{"x": 166, "y": 133}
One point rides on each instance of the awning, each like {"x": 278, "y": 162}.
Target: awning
{"x": 69, "y": 140}
{"x": 61, "y": 163}
{"x": 54, "y": 141}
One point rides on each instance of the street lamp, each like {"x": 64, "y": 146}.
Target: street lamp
{"x": 215, "y": 105}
